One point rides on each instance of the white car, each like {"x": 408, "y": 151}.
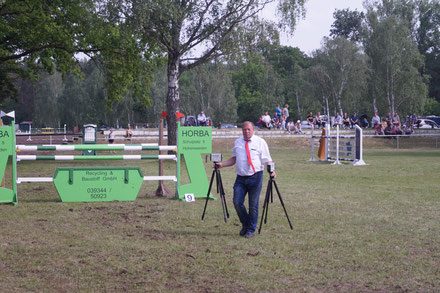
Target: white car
{"x": 426, "y": 123}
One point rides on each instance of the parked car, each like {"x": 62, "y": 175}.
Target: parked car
{"x": 426, "y": 123}
{"x": 104, "y": 128}
{"x": 190, "y": 121}
{"x": 305, "y": 124}
{"x": 224, "y": 126}
{"x": 436, "y": 119}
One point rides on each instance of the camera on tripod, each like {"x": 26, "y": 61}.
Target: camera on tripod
{"x": 216, "y": 158}
{"x": 271, "y": 168}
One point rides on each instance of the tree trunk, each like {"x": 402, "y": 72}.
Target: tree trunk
{"x": 297, "y": 105}
{"x": 172, "y": 98}
{"x": 339, "y": 105}
{"x": 375, "y": 105}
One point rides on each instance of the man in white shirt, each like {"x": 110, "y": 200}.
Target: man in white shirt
{"x": 250, "y": 153}
{"x": 375, "y": 120}
{"x": 267, "y": 120}
{"x": 286, "y": 112}
{"x": 201, "y": 119}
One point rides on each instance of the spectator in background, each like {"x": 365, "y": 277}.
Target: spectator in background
{"x": 111, "y": 136}
{"x": 278, "y": 111}
{"x": 346, "y": 121}
{"x": 406, "y": 129}
{"x": 354, "y": 120}
{"x": 311, "y": 120}
{"x": 298, "y": 127}
{"x": 201, "y": 119}
{"x": 388, "y": 129}
{"x": 396, "y": 119}
{"x": 276, "y": 121}
{"x": 363, "y": 121}
{"x": 128, "y": 133}
{"x": 260, "y": 122}
{"x": 318, "y": 120}
{"x": 337, "y": 120}
{"x": 389, "y": 118}
{"x": 375, "y": 120}
{"x": 266, "y": 120}
{"x": 286, "y": 112}
{"x": 378, "y": 130}
{"x": 290, "y": 126}
{"x": 412, "y": 120}
{"x": 283, "y": 122}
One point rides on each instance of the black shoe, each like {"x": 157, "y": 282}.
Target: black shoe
{"x": 249, "y": 235}
{"x": 243, "y": 231}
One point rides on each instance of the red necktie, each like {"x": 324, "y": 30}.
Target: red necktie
{"x": 248, "y": 153}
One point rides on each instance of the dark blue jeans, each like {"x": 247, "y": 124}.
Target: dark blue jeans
{"x": 252, "y": 186}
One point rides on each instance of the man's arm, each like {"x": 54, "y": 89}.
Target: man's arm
{"x": 229, "y": 162}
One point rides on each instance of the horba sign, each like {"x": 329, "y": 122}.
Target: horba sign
{"x": 192, "y": 143}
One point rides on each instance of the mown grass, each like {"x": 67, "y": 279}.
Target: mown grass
{"x": 355, "y": 229}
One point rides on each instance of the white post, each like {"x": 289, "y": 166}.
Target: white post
{"x": 359, "y": 161}
{"x": 327, "y": 141}
{"x": 65, "y": 138}
{"x": 337, "y": 162}
{"x": 312, "y": 142}
{"x": 30, "y": 132}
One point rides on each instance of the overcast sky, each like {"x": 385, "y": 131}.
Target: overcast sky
{"x": 319, "y": 18}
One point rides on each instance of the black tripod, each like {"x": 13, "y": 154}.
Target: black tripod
{"x": 220, "y": 190}
{"x": 269, "y": 194}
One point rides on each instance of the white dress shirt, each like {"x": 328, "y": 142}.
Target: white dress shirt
{"x": 259, "y": 155}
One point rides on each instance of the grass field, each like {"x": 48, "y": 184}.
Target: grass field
{"x": 371, "y": 228}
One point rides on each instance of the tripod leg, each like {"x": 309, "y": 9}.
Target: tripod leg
{"x": 282, "y": 203}
{"x": 222, "y": 196}
{"x": 207, "y": 195}
{"x": 270, "y": 189}
{"x": 222, "y": 192}
{"x": 265, "y": 206}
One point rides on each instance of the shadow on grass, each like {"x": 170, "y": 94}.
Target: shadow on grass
{"x": 39, "y": 200}
{"x": 404, "y": 153}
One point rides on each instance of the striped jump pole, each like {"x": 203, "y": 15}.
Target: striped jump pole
{"x": 93, "y": 158}
{"x": 337, "y": 162}
{"x": 97, "y": 147}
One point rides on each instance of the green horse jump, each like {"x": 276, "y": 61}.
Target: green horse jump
{"x": 92, "y": 184}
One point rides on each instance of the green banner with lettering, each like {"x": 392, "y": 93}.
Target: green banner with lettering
{"x": 7, "y": 148}
{"x": 192, "y": 143}
{"x": 89, "y": 184}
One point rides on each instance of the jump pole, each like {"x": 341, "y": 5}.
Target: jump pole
{"x": 337, "y": 162}
{"x": 161, "y": 190}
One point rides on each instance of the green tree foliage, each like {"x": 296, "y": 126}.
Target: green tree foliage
{"x": 46, "y": 36}
{"x": 395, "y": 60}
{"x": 184, "y": 27}
{"x": 432, "y": 107}
{"x": 428, "y": 40}
{"x": 299, "y": 96}
{"x": 347, "y": 24}
{"x": 46, "y": 99}
{"x": 209, "y": 88}
{"x": 257, "y": 89}
{"x": 339, "y": 71}
{"x": 290, "y": 65}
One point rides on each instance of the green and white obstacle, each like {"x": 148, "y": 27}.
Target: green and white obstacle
{"x": 341, "y": 147}
{"x": 89, "y": 184}
{"x": 96, "y": 183}
{"x": 98, "y": 147}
